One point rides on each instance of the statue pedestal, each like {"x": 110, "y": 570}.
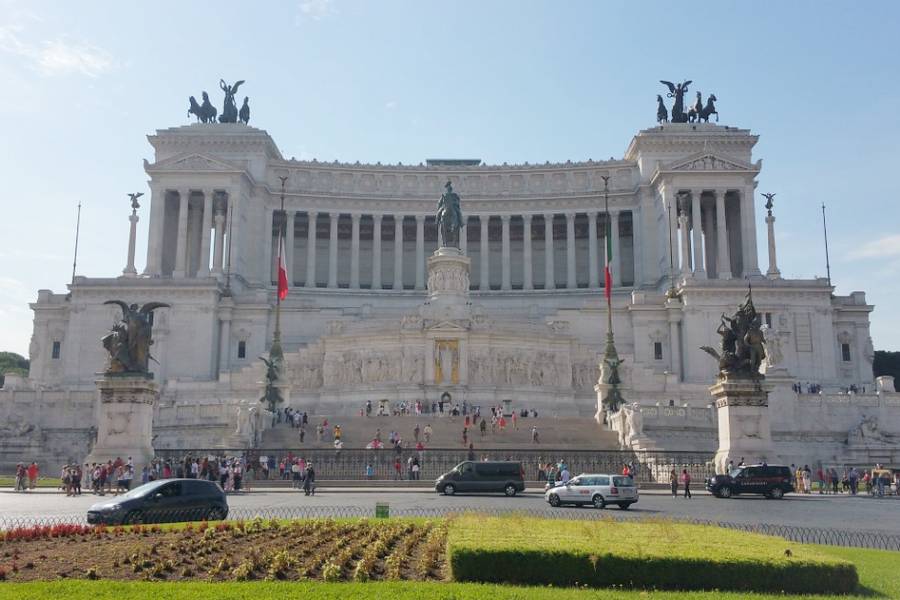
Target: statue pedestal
{"x": 744, "y": 430}
{"x": 448, "y": 285}
{"x": 125, "y": 420}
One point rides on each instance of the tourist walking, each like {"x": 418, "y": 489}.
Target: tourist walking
{"x": 309, "y": 480}
{"x": 33, "y": 473}
{"x": 686, "y": 481}
{"x": 673, "y": 482}
{"x": 534, "y": 435}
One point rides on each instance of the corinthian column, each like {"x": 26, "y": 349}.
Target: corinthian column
{"x": 685, "y": 246}
{"x": 398, "y": 252}
{"x": 527, "y": 275}
{"x": 485, "y": 283}
{"x": 312, "y": 217}
{"x": 184, "y": 197}
{"x": 723, "y": 260}
{"x": 218, "y": 249}
{"x": 203, "y": 271}
{"x": 773, "y": 272}
{"x": 570, "y": 251}
{"x": 157, "y": 226}
{"x": 699, "y": 271}
{"x": 354, "y": 251}
{"x": 420, "y": 252}
{"x": 593, "y": 273}
{"x": 549, "y": 277}
{"x": 333, "y": 249}
{"x": 289, "y": 245}
{"x": 376, "y": 252}
{"x": 505, "y": 280}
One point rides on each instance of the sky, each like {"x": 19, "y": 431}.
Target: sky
{"x": 402, "y": 81}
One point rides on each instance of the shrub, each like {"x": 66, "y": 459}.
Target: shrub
{"x": 637, "y": 555}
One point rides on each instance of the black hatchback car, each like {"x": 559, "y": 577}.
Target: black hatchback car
{"x": 484, "y": 477}
{"x": 772, "y": 481}
{"x": 163, "y": 501}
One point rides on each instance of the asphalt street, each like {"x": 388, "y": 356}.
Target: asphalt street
{"x": 829, "y": 512}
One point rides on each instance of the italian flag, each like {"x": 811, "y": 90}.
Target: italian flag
{"x": 282, "y": 271}
{"x": 607, "y": 274}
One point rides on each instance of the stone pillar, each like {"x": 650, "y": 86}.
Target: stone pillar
{"x": 773, "y": 272}
{"x": 593, "y": 268}
{"x": 637, "y": 250}
{"x": 184, "y": 197}
{"x": 312, "y": 218}
{"x": 485, "y": 283}
{"x": 617, "y": 251}
{"x": 398, "y": 252}
{"x": 376, "y": 252}
{"x": 744, "y": 430}
{"x": 333, "y": 249}
{"x": 674, "y": 311}
{"x": 205, "y": 233}
{"x": 570, "y": 251}
{"x": 269, "y": 257}
{"x": 710, "y": 248}
{"x": 289, "y": 245}
{"x": 463, "y": 236}
{"x": 219, "y": 248}
{"x": 225, "y": 309}
{"x": 505, "y": 267}
{"x": 129, "y": 270}
{"x": 748, "y": 229}
{"x": 157, "y": 227}
{"x": 697, "y": 226}
{"x": 723, "y": 260}
{"x": 420, "y": 252}
{"x": 671, "y": 207}
{"x": 125, "y": 419}
{"x": 354, "y": 251}
{"x": 685, "y": 246}
{"x": 528, "y": 273}
{"x": 549, "y": 276}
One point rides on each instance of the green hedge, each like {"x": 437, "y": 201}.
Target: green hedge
{"x": 646, "y": 555}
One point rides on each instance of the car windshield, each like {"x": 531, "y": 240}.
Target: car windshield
{"x": 143, "y": 490}
{"x": 736, "y": 472}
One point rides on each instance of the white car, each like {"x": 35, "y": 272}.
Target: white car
{"x": 597, "y": 489}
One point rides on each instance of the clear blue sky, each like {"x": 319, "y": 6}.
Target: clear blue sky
{"x": 402, "y": 81}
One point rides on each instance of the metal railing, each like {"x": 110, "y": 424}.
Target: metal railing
{"x": 351, "y": 464}
{"x": 59, "y": 526}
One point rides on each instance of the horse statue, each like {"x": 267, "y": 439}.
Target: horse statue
{"x": 244, "y": 113}
{"x": 709, "y": 109}
{"x": 695, "y": 110}
{"x": 229, "y": 109}
{"x": 662, "y": 113}
{"x": 678, "y": 92}
{"x": 449, "y": 217}
{"x": 205, "y": 113}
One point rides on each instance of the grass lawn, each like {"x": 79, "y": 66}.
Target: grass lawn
{"x": 43, "y": 482}
{"x": 645, "y": 554}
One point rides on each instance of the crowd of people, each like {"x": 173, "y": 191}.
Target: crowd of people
{"x": 878, "y": 481}
{"x": 26, "y": 477}
{"x": 815, "y": 388}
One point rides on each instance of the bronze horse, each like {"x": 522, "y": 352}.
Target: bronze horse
{"x": 206, "y": 112}
{"x": 698, "y": 112}
{"x": 662, "y": 113}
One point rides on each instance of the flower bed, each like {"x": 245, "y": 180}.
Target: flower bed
{"x": 318, "y": 549}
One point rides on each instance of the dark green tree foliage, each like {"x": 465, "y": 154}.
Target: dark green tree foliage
{"x": 887, "y": 363}
{"x": 10, "y": 362}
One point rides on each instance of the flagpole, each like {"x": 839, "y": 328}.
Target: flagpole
{"x": 77, "y": 229}
{"x": 825, "y": 231}
{"x": 276, "y": 353}
{"x": 610, "y": 356}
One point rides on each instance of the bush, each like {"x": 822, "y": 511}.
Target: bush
{"x": 648, "y": 555}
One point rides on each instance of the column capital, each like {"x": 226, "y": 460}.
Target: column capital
{"x": 505, "y": 218}
{"x": 549, "y": 216}
{"x": 570, "y": 216}
{"x": 483, "y": 220}
{"x": 377, "y": 217}
{"x": 420, "y": 218}
{"x": 312, "y": 214}
{"x": 592, "y": 214}
{"x": 527, "y": 217}
{"x": 184, "y": 192}
{"x": 355, "y": 217}
{"x": 334, "y": 215}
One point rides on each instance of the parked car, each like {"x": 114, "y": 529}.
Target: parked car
{"x": 597, "y": 489}
{"x": 163, "y": 501}
{"x": 772, "y": 481}
{"x": 483, "y": 477}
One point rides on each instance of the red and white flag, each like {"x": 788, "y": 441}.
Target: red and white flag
{"x": 282, "y": 271}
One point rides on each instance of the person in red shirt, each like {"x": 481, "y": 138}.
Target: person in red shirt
{"x": 626, "y": 471}
{"x": 398, "y": 469}
{"x": 32, "y": 475}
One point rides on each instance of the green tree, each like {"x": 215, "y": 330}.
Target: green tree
{"x": 887, "y": 363}
{"x": 10, "y": 362}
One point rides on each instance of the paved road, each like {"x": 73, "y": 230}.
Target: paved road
{"x": 831, "y": 512}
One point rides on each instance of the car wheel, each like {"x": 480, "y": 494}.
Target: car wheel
{"x": 554, "y": 500}
{"x": 215, "y": 514}
{"x": 725, "y": 492}
{"x": 449, "y": 489}
{"x": 624, "y": 505}
{"x": 598, "y": 501}
{"x": 776, "y": 493}
{"x": 135, "y": 517}
{"x": 509, "y": 490}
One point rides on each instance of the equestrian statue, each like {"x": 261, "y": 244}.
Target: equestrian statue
{"x": 698, "y": 112}
{"x": 205, "y": 113}
{"x": 449, "y": 217}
